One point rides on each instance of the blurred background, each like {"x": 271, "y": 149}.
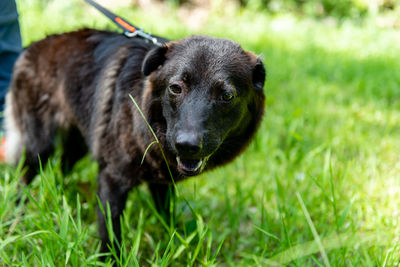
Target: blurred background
{"x": 195, "y": 13}
{"x": 320, "y": 184}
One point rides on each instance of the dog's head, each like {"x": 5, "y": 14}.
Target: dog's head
{"x": 212, "y": 99}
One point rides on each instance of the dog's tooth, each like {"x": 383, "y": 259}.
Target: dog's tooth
{"x": 178, "y": 160}
{"x": 198, "y": 165}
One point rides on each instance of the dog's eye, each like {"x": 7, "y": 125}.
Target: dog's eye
{"x": 175, "y": 89}
{"x": 227, "y": 97}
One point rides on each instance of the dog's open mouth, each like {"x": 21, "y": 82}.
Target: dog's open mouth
{"x": 190, "y": 166}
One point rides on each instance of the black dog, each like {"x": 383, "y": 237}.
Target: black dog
{"x": 202, "y": 96}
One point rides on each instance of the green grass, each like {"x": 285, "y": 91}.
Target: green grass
{"x": 318, "y": 186}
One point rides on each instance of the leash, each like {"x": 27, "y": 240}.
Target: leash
{"x": 129, "y": 30}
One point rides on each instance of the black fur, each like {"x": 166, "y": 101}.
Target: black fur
{"x": 202, "y": 96}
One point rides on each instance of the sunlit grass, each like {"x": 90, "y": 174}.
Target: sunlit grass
{"x": 331, "y": 135}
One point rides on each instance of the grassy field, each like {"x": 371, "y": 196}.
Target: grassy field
{"x": 319, "y": 186}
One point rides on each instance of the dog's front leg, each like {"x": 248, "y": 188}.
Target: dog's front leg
{"x": 164, "y": 200}
{"x": 113, "y": 193}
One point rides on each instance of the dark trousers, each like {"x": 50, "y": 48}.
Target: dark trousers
{"x": 10, "y": 44}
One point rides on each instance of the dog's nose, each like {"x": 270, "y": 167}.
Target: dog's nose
{"x": 188, "y": 143}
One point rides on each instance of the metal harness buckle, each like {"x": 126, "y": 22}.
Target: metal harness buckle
{"x": 141, "y": 33}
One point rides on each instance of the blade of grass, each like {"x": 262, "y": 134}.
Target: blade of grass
{"x": 331, "y": 242}
{"x": 147, "y": 149}
{"x": 266, "y": 233}
{"x": 313, "y": 230}
{"x": 157, "y": 141}
{"x": 167, "y": 253}
{"x": 136, "y": 243}
{"x": 184, "y": 245}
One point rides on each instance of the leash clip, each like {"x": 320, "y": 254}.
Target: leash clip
{"x": 131, "y": 34}
{"x": 141, "y": 33}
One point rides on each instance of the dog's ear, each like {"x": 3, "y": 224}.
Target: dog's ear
{"x": 258, "y": 75}
{"x": 154, "y": 59}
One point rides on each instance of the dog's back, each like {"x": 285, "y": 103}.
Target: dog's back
{"x": 64, "y": 83}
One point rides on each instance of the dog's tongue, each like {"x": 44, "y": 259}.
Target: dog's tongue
{"x": 190, "y": 165}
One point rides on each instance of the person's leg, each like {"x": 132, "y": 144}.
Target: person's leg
{"x": 10, "y": 45}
